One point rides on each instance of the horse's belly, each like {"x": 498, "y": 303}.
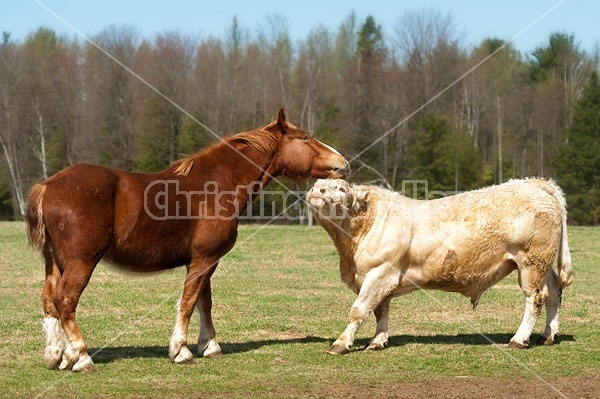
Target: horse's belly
{"x": 147, "y": 260}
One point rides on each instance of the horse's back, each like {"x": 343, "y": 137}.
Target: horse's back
{"x": 78, "y": 209}
{"x": 80, "y": 189}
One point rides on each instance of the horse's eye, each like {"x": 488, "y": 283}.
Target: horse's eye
{"x": 305, "y": 137}
{"x": 342, "y": 189}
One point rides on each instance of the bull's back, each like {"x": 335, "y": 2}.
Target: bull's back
{"x": 472, "y": 240}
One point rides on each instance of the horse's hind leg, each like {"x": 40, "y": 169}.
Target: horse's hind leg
{"x": 51, "y": 325}
{"x": 74, "y": 279}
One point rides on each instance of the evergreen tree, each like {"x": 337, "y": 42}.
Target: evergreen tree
{"x": 578, "y": 163}
{"x": 446, "y": 158}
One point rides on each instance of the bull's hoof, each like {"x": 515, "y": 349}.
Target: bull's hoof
{"x": 337, "y": 349}
{"x": 544, "y": 341}
{"x": 515, "y": 345}
{"x": 374, "y": 346}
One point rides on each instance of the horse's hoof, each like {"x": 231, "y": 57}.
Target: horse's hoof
{"x": 515, "y": 345}
{"x": 211, "y": 350}
{"x": 184, "y": 356}
{"x": 53, "y": 357}
{"x": 544, "y": 341}
{"x": 374, "y": 346}
{"x": 213, "y": 355}
{"x": 337, "y": 349}
{"x": 84, "y": 365}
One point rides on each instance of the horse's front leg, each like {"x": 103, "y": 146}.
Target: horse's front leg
{"x": 197, "y": 280}
{"x": 207, "y": 342}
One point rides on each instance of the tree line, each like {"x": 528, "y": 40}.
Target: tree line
{"x": 417, "y": 104}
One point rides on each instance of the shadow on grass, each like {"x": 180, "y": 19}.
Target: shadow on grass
{"x": 110, "y": 354}
{"x": 458, "y": 339}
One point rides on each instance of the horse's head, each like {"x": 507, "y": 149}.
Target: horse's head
{"x": 301, "y": 155}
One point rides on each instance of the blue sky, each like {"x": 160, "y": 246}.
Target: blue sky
{"x": 475, "y": 19}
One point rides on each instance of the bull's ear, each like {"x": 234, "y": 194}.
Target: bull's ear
{"x": 361, "y": 201}
{"x": 281, "y": 123}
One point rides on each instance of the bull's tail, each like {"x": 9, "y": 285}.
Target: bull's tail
{"x": 564, "y": 264}
{"x": 36, "y": 229}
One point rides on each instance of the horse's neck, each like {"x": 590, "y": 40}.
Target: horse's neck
{"x": 259, "y": 169}
{"x": 245, "y": 177}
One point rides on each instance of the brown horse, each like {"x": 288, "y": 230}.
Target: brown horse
{"x": 145, "y": 222}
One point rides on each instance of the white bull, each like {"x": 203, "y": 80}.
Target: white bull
{"x": 390, "y": 245}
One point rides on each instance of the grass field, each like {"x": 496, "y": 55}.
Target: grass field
{"x": 278, "y": 305}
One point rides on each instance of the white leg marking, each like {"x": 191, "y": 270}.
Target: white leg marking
{"x": 178, "y": 351}
{"x": 70, "y": 357}
{"x": 54, "y": 345}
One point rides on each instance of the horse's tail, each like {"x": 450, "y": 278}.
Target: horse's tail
{"x": 36, "y": 229}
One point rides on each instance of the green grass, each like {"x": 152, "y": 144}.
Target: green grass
{"x": 278, "y": 305}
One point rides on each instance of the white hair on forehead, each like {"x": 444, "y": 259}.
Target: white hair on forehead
{"x": 331, "y": 183}
{"x": 330, "y": 147}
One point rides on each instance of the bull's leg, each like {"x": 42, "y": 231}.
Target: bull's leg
{"x": 51, "y": 325}
{"x": 75, "y": 278}
{"x": 376, "y": 287}
{"x": 198, "y": 275}
{"x": 536, "y": 292}
{"x": 552, "y": 309}
{"x": 380, "y": 339}
{"x": 207, "y": 342}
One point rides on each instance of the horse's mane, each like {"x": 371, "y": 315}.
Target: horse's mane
{"x": 261, "y": 139}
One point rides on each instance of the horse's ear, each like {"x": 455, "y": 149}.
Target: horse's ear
{"x": 281, "y": 123}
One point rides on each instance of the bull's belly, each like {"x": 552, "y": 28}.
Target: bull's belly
{"x": 469, "y": 280}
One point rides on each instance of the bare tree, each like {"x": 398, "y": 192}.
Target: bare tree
{"x": 275, "y": 43}
{"x": 11, "y": 139}
{"x": 310, "y": 77}
{"x": 167, "y": 65}
{"x": 427, "y": 44}
{"x": 108, "y": 90}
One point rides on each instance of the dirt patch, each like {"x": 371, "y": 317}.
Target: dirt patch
{"x": 467, "y": 387}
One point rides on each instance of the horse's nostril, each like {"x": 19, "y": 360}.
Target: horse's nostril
{"x": 322, "y": 191}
